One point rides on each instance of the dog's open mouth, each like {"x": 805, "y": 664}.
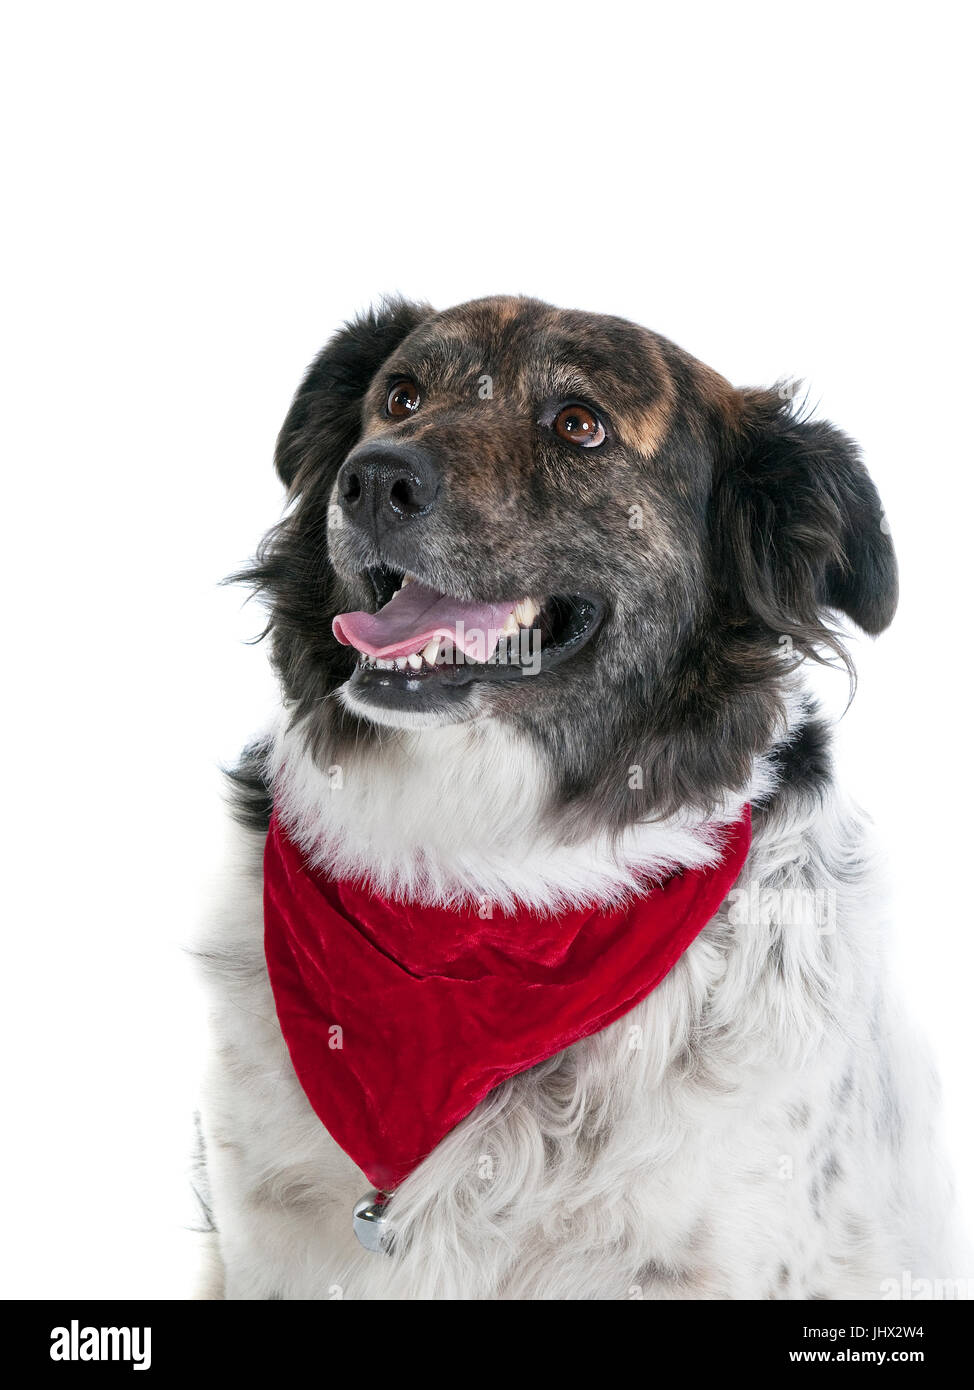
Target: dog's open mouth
{"x": 420, "y": 640}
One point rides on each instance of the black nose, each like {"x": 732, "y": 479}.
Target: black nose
{"x": 386, "y": 485}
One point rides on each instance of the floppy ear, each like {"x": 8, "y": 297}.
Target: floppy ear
{"x": 324, "y": 420}
{"x": 798, "y": 526}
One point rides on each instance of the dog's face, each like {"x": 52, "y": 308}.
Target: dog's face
{"x": 561, "y": 521}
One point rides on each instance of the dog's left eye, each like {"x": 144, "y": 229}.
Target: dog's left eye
{"x": 576, "y": 424}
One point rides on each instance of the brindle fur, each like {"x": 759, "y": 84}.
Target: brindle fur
{"x": 753, "y": 521}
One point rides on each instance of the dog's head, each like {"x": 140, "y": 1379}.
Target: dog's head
{"x": 561, "y": 521}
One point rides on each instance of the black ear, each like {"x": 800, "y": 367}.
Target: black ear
{"x": 797, "y": 525}
{"x": 325, "y": 416}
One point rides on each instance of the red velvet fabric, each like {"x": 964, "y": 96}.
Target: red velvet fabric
{"x": 399, "y": 1019}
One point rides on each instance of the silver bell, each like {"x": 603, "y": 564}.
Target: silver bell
{"x": 370, "y": 1222}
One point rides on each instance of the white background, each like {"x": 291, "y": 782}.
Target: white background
{"x": 196, "y": 195}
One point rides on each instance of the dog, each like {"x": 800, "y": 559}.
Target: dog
{"x": 665, "y": 554}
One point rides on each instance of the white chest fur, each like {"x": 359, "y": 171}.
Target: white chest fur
{"x": 758, "y": 1127}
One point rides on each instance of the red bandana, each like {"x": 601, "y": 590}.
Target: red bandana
{"x": 400, "y": 1018}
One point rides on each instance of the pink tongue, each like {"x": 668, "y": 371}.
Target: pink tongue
{"x": 414, "y": 616}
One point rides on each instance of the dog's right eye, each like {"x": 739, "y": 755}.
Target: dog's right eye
{"x": 403, "y": 399}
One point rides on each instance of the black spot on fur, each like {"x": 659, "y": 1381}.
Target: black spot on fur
{"x": 815, "y": 1197}
{"x": 655, "y": 1272}
{"x": 800, "y": 1116}
{"x": 802, "y": 764}
{"x": 831, "y": 1172}
{"x": 842, "y": 1090}
{"x": 251, "y": 799}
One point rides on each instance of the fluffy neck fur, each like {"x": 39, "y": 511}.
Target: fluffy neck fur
{"x": 460, "y": 813}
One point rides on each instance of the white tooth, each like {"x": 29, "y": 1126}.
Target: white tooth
{"x": 430, "y": 650}
{"x": 407, "y": 579}
{"x": 384, "y": 664}
{"x": 401, "y": 662}
{"x": 526, "y": 611}
{"x": 415, "y": 660}
{"x": 510, "y": 627}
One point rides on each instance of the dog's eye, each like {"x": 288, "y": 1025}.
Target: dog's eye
{"x": 576, "y": 424}
{"x": 403, "y": 399}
